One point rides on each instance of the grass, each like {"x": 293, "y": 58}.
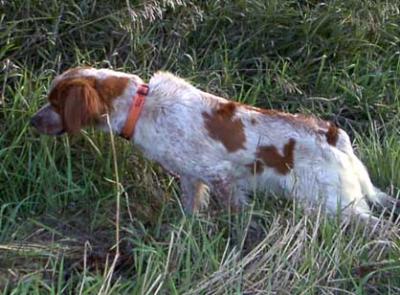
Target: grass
{"x": 338, "y": 59}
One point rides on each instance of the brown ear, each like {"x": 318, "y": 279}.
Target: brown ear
{"x": 81, "y": 105}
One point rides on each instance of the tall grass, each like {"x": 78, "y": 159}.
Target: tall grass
{"x": 339, "y": 60}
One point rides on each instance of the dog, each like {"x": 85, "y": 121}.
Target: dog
{"x": 213, "y": 143}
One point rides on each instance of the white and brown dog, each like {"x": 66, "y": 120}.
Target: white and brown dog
{"x": 213, "y": 142}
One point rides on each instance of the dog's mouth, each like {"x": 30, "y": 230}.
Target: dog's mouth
{"x": 59, "y": 133}
{"x": 46, "y": 129}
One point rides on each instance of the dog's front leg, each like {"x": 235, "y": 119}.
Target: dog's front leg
{"x": 229, "y": 194}
{"x": 194, "y": 194}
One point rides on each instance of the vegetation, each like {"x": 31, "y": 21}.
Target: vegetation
{"x": 337, "y": 59}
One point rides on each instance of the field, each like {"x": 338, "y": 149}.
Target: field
{"x": 64, "y": 202}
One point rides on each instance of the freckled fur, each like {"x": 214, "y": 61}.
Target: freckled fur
{"x": 226, "y": 146}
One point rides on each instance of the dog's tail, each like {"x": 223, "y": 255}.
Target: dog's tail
{"x": 378, "y": 197}
{"x": 372, "y": 193}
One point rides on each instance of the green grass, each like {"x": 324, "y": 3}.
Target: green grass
{"x": 338, "y": 59}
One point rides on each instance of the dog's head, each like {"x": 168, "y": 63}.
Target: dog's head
{"x": 79, "y": 97}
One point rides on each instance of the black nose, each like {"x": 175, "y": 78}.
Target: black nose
{"x": 34, "y": 121}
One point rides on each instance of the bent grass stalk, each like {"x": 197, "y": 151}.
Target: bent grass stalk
{"x": 118, "y": 190}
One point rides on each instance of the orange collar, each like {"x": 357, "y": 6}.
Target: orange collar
{"x": 134, "y": 112}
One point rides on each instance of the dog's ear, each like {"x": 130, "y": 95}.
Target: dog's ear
{"x": 82, "y": 104}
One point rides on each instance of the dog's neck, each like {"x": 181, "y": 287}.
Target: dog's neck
{"x": 121, "y": 108}
{"x": 162, "y": 93}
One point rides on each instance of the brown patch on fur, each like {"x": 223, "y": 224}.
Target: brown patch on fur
{"x": 332, "y": 135}
{"x": 227, "y": 110}
{"x": 270, "y": 156}
{"x": 253, "y": 121}
{"x": 111, "y": 87}
{"x": 223, "y": 127}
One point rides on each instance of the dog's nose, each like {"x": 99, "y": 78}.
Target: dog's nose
{"x": 34, "y": 121}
